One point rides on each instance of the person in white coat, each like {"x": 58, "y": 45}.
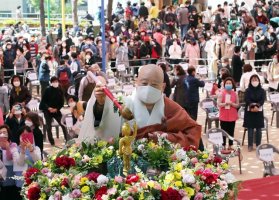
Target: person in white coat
{"x": 175, "y": 50}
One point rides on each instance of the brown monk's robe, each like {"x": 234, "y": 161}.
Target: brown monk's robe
{"x": 181, "y": 128}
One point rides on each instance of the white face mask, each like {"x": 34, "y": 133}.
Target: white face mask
{"x": 148, "y": 94}
{"x": 16, "y": 83}
{"x": 72, "y": 104}
{"x": 255, "y": 83}
{"x": 55, "y": 85}
{"x": 28, "y": 123}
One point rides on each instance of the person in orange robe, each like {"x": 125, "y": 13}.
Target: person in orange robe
{"x": 154, "y": 113}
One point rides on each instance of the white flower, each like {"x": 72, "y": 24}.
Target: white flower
{"x": 124, "y": 193}
{"x": 188, "y": 178}
{"x": 141, "y": 147}
{"x": 221, "y": 194}
{"x": 102, "y": 180}
{"x": 223, "y": 185}
{"x": 229, "y": 178}
{"x": 66, "y": 197}
{"x": 180, "y": 154}
{"x": 143, "y": 140}
{"x": 111, "y": 147}
{"x": 85, "y": 158}
{"x": 105, "y": 197}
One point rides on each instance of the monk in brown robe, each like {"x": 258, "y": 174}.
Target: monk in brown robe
{"x": 154, "y": 113}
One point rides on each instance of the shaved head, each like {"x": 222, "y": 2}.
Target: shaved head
{"x": 151, "y": 75}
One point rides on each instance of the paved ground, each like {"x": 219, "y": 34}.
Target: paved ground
{"x": 251, "y": 166}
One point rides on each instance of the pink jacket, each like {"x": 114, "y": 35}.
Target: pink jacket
{"x": 228, "y": 115}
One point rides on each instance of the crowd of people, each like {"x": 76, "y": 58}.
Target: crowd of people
{"x": 239, "y": 48}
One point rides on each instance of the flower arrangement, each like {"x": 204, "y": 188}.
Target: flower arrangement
{"x": 186, "y": 173}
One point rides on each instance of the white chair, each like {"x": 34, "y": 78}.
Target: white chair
{"x": 265, "y": 153}
{"x": 215, "y": 137}
{"x": 33, "y": 78}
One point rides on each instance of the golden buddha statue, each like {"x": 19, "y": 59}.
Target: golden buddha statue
{"x": 125, "y": 145}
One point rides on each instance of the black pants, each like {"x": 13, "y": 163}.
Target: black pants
{"x": 44, "y": 85}
{"x": 10, "y": 192}
{"x": 192, "y": 110}
{"x": 57, "y": 116}
{"x": 229, "y": 128}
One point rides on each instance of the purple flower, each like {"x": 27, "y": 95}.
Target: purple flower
{"x": 199, "y": 196}
{"x": 76, "y": 193}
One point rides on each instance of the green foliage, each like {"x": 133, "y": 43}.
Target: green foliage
{"x": 54, "y": 8}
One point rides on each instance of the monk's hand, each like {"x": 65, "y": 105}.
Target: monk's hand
{"x": 99, "y": 92}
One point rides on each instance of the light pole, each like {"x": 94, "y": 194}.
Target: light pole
{"x": 103, "y": 36}
{"x": 63, "y": 16}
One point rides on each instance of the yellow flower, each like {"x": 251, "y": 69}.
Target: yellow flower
{"x": 209, "y": 166}
{"x": 205, "y": 156}
{"x": 178, "y": 183}
{"x": 141, "y": 197}
{"x": 177, "y": 175}
{"x": 77, "y": 155}
{"x": 85, "y": 189}
{"x": 190, "y": 191}
{"x": 54, "y": 183}
{"x": 178, "y": 167}
{"x": 98, "y": 159}
{"x": 63, "y": 187}
{"x": 225, "y": 166}
{"x": 150, "y": 184}
{"x": 42, "y": 196}
{"x": 83, "y": 180}
{"x": 102, "y": 143}
{"x": 169, "y": 178}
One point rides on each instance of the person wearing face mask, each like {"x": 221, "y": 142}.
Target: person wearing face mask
{"x": 175, "y": 52}
{"x": 228, "y": 48}
{"x": 19, "y": 93}
{"x": 32, "y": 120}
{"x": 154, "y": 114}
{"x": 51, "y": 103}
{"x": 16, "y": 120}
{"x": 8, "y": 189}
{"x": 228, "y": 103}
{"x": 192, "y": 52}
{"x": 253, "y": 115}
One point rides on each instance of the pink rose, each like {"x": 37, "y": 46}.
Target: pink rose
{"x": 118, "y": 179}
{"x": 194, "y": 160}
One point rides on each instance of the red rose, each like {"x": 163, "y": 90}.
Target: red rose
{"x": 99, "y": 193}
{"x": 33, "y": 193}
{"x": 132, "y": 178}
{"x": 29, "y": 173}
{"x": 170, "y": 193}
{"x": 65, "y": 182}
{"x": 199, "y": 172}
{"x": 190, "y": 148}
{"x": 93, "y": 176}
{"x": 211, "y": 178}
{"x": 217, "y": 160}
{"x": 65, "y": 162}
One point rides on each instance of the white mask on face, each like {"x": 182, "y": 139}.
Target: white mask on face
{"x": 72, "y": 104}
{"x": 28, "y": 123}
{"x": 255, "y": 83}
{"x": 148, "y": 94}
{"x": 16, "y": 83}
{"x": 55, "y": 85}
